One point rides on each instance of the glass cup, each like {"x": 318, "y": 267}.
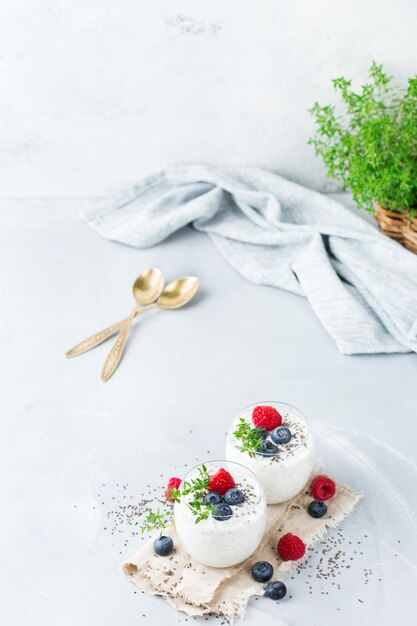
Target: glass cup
{"x": 284, "y": 473}
{"x": 229, "y": 540}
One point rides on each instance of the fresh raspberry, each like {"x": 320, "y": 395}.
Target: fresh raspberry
{"x": 266, "y": 417}
{"x": 290, "y": 547}
{"x": 323, "y": 488}
{"x": 221, "y": 482}
{"x": 172, "y": 483}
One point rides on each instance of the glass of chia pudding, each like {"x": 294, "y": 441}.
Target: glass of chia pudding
{"x": 274, "y": 441}
{"x": 222, "y": 520}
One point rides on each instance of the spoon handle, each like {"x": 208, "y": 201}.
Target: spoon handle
{"x": 95, "y": 340}
{"x": 115, "y": 354}
{"x": 98, "y": 338}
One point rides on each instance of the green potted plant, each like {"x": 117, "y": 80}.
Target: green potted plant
{"x": 370, "y": 146}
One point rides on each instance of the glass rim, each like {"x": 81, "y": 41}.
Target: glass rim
{"x": 224, "y": 461}
{"x": 281, "y": 450}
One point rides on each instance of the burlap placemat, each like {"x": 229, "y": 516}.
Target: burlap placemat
{"x": 196, "y": 589}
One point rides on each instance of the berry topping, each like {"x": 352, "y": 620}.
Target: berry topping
{"x": 281, "y": 435}
{"x": 266, "y": 417}
{"x": 163, "y": 545}
{"x": 323, "y": 488}
{"x": 221, "y": 482}
{"x": 290, "y": 547}
{"x": 262, "y": 571}
{"x": 276, "y": 590}
{"x": 234, "y": 496}
{"x": 317, "y": 508}
{"x": 173, "y": 483}
{"x": 268, "y": 448}
{"x": 222, "y": 512}
{"x": 212, "y": 498}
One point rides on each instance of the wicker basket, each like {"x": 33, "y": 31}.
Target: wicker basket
{"x": 398, "y": 226}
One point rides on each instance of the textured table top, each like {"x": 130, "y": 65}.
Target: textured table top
{"x": 64, "y": 434}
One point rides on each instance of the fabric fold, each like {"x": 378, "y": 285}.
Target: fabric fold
{"x": 361, "y": 284}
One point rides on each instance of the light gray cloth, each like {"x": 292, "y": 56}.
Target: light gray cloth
{"x": 361, "y": 284}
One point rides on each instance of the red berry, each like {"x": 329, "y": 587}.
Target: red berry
{"x": 323, "y": 488}
{"x": 266, "y": 417}
{"x": 221, "y": 482}
{"x": 290, "y": 547}
{"x": 172, "y": 483}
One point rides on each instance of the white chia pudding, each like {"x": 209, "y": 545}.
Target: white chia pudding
{"x": 231, "y": 532}
{"x": 284, "y": 457}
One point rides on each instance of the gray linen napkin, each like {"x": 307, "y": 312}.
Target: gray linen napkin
{"x": 361, "y": 284}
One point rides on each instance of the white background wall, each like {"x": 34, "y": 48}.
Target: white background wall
{"x": 96, "y": 93}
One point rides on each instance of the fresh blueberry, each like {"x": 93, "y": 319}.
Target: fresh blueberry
{"x": 276, "y": 590}
{"x": 222, "y": 512}
{"x": 262, "y": 571}
{"x": 268, "y": 448}
{"x": 212, "y": 498}
{"x": 163, "y": 545}
{"x": 317, "y": 508}
{"x": 234, "y": 496}
{"x": 281, "y": 435}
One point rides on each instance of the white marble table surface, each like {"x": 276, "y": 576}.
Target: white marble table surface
{"x": 63, "y": 431}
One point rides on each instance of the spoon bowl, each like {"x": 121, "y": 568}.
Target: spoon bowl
{"x": 148, "y": 286}
{"x": 178, "y": 293}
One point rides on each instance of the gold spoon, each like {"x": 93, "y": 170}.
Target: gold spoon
{"x": 171, "y": 292}
{"x": 146, "y": 289}
{"x": 178, "y": 293}
{"x": 175, "y": 295}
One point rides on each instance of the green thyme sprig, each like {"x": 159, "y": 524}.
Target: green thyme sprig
{"x": 201, "y": 510}
{"x": 250, "y": 437}
{"x": 198, "y": 485}
{"x": 197, "y": 488}
{"x": 155, "y": 521}
{"x": 369, "y": 142}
